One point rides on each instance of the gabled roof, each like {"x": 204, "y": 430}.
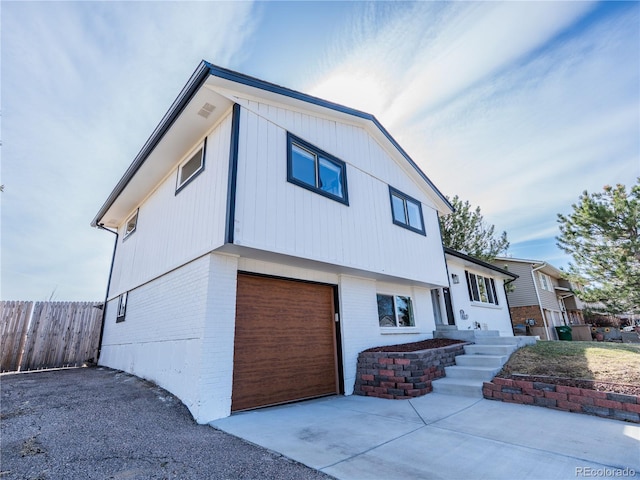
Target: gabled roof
{"x": 542, "y": 265}
{"x": 477, "y": 262}
{"x": 210, "y": 83}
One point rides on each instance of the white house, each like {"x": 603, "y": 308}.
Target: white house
{"x": 264, "y": 238}
{"x": 476, "y": 298}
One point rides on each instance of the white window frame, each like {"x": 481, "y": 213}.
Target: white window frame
{"x": 183, "y": 182}
{"x": 545, "y": 282}
{"x": 396, "y": 325}
{"x": 122, "y": 307}
{"x": 133, "y": 218}
{"x": 475, "y": 294}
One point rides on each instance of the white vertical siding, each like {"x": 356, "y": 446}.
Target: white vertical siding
{"x": 174, "y": 229}
{"x": 274, "y": 215}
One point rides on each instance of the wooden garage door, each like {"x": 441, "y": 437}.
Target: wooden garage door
{"x": 285, "y": 343}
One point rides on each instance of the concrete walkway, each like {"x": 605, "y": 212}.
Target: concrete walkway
{"x": 441, "y": 437}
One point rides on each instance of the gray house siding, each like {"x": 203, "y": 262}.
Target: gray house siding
{"x": 548, "y": 299}
{"x": 524, "y": 293}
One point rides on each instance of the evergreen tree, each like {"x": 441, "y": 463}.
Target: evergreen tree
{"x": 466, "y": 231}
{"x": 602, "y": 236}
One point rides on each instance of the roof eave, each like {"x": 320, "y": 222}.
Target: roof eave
{"x": 477, "y": 261}
{"x": 287, "y": 92}
{"x": 198, "y": 78}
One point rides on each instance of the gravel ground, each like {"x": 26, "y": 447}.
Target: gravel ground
{"x": 98, "y": 423}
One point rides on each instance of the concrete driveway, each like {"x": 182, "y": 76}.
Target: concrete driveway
{"x": 97, "y": 423}
{"x": 442, "y": 437}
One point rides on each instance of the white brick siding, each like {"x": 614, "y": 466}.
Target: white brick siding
{"x": 178, "y": 333}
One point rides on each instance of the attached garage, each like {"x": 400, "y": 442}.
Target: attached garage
{"x": 285, "y": 345}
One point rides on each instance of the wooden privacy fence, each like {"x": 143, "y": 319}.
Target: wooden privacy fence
{"x": 38, "y": 335}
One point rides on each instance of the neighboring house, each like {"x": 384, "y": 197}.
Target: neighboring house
{"x": 476, "y": 298}
{"x": 265, "y": 238}
{"x": 541, "y": 298}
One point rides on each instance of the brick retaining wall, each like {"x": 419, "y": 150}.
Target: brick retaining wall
{"x": 570, "y": 399}
{"x": 402, "y": 375}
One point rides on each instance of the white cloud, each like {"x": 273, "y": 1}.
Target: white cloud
{"x": 515, "y": 106}
{"x": 84, "y": 85}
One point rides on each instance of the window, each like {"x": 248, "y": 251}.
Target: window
{"x": 122, "y": 307}
{"x": 395, "y": 311}
{"x": 191, "y": 168}
{"x": 131, "y": 224}
{"x": 545, "y": 281}
{"x": 481, "y": 289}
{"x": 315, "y": 170}
{"x": 406, "y": 211}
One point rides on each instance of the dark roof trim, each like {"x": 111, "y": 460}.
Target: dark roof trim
{"x": 477, "y": 261}
{"x": 272, "y": 87}
{"x": 195, "y": 82}
{"x": 188, "y": 91}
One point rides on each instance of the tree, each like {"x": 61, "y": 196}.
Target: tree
{"x": 466, "y": 231}
{"x": 602, "y": 236}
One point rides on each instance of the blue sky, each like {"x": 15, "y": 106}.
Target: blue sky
{"x": 517, "y": 107}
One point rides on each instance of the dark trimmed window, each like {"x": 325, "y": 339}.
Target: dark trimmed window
{"x": 131, "y": 225}
{"x": 395, "y": 311}
{"x": 191, "y": 168}
{"x": 481, "y": 289}
{"x": 122, "y": 307}
{"x": 406, "y": 211}
{"x": 311, "y": 168}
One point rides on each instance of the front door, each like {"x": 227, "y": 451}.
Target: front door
{"x": 437, "y": 311}
{"x": 449, "y": 306}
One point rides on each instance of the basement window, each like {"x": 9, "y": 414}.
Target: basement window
{"x": 395, "y": 311}
{"x": 131, "y": 224}
{"x": 122, "y": 307}
{"x": 191, "y": 168}
{"x": 311, "y": 168}
{"x": 406, "y": 211}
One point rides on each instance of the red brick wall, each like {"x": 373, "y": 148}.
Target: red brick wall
{"x": 570, "y": 399}
{"x": 399, "y": 375}
{"x": 520, "y": 314}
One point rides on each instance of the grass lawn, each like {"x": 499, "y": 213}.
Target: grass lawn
{"x": 597, "y": 361}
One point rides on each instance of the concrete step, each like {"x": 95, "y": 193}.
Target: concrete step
{"x": 496, "y": 340}
{"x": 486, "y": 333}
{"x": 489, "y": 349}
{"x": 443, "y": 327}
{"x": 471, "y": 373}
{"x": 458, "y": 386}
{"x": 495, "y": 361}
{"x": 519, "y": 341}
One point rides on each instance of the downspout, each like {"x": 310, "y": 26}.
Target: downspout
{"x": 504, "y": 287}
{"x": 535, "y": 286}
{"x": 106, "y": 295}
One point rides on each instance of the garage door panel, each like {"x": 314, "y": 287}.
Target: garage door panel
{"x": 284, "y": 342}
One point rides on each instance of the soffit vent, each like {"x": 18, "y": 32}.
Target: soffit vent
{"x": 206, "y": 110}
